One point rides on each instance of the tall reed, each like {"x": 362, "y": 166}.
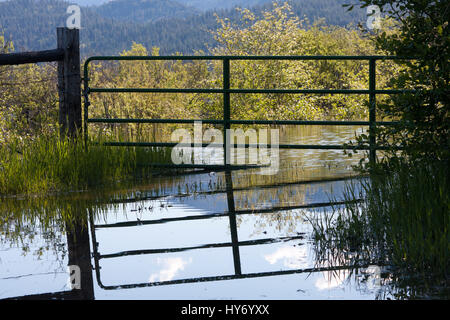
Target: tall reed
{"x": 49, "y": 164}
{"x": 403, "y": 222}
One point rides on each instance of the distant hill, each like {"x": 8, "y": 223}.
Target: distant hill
{"x": 205, "y": 5}
{"x": 89, "y": 2}
{"x": 202, "y": 5}
{"x": 82, "y": 2}
{"x": 31, "y": 24}
{"x": 141, "y": 11}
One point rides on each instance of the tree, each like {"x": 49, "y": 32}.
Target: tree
{"x": 141, "y": 74}
{"x": 423, "y": 34}
{"x": 280, "y": 32}
{"x": 28, "y": 98}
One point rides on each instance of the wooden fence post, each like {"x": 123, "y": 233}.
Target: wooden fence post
{"x": 69, "y": 83}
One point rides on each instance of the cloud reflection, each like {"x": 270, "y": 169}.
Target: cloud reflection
{"x": 327, "y": 282}
{"x": 332, "y": 279}
{"x": 292, "y": 257}
{"x": 171, "y": 266}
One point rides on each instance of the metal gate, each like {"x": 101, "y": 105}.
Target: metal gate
{"x": 226, "y": 91}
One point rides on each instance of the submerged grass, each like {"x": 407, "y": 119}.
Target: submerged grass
{"x": 403, "y": 222}
{"x": 49, "y": 164}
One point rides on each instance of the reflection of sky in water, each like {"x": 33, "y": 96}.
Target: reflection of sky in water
{"x": 291, "y": 257}
{"x": 315, "y": 162}
{"x": 282, "y": 255}
{"x": 31, "y": 274}
{"x": 327, "y": 281}
{"x": 170, "y": 267}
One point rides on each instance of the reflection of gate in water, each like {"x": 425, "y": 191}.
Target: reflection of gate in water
{"x": 80, "y": 254}
{"x": 234, "y": 244}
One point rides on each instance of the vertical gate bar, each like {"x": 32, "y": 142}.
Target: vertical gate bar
{"x": 372, "y": 109}
{"x": 226, "y": 111}
{"x": 233, "y": 224}
{"x": 86, "y": 103}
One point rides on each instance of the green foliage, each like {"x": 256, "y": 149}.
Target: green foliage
{"x": 275, "y": 32}
{"x": 28, "y": 99}
{"x": 423, "y": 34}
{"x": 402, "y": 222}
{"x": 32, "y": 24}
{"x": 281, "y": 32}
{"x": 48, "y": 164}
{"x": 143, "y": 74}
{"x": 29, "y": 105}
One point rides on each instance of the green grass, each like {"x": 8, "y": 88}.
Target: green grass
{"x": 403, "y": 222}
{"x": 48, "y": 164}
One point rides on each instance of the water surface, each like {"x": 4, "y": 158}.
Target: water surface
{"x": 213, "y": 235}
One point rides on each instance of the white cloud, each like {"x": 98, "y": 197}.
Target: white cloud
{"x": 292, "y": 257}
{"x": 171, "y": 266}
{"x": 331, "y": 279}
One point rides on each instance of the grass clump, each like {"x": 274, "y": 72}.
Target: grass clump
{"x": 48, "y": 164}
{"x": 403, "y": 222}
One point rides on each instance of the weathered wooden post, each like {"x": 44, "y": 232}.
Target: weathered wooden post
{"x": 69, "y": 83}
{"x": 79, "y": 254}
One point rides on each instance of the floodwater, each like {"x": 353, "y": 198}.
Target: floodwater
{"x": 208, "y": 235}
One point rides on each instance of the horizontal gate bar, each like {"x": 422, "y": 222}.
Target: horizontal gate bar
{"x": 216, "y": 167}
{"x": 129, "y": 120}
{"x": 218, "y": 145}
{"x": 215, "y": 58}
{"x": 248, "y": 91}
{"x": 205, "y": 246}
{"x": 372, "y": 91}
{"x": 224, "y": 214}
{"x": 235, "y": 189}
{"x": 255, "y": 122}
{"x": 230, "y": 277}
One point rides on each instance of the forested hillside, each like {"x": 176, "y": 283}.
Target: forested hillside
{"x": 141, "y": 11}
{"x": 276, "y": 32}
{"x": 220, "y": 4}
{"x": 31, "y": 25}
